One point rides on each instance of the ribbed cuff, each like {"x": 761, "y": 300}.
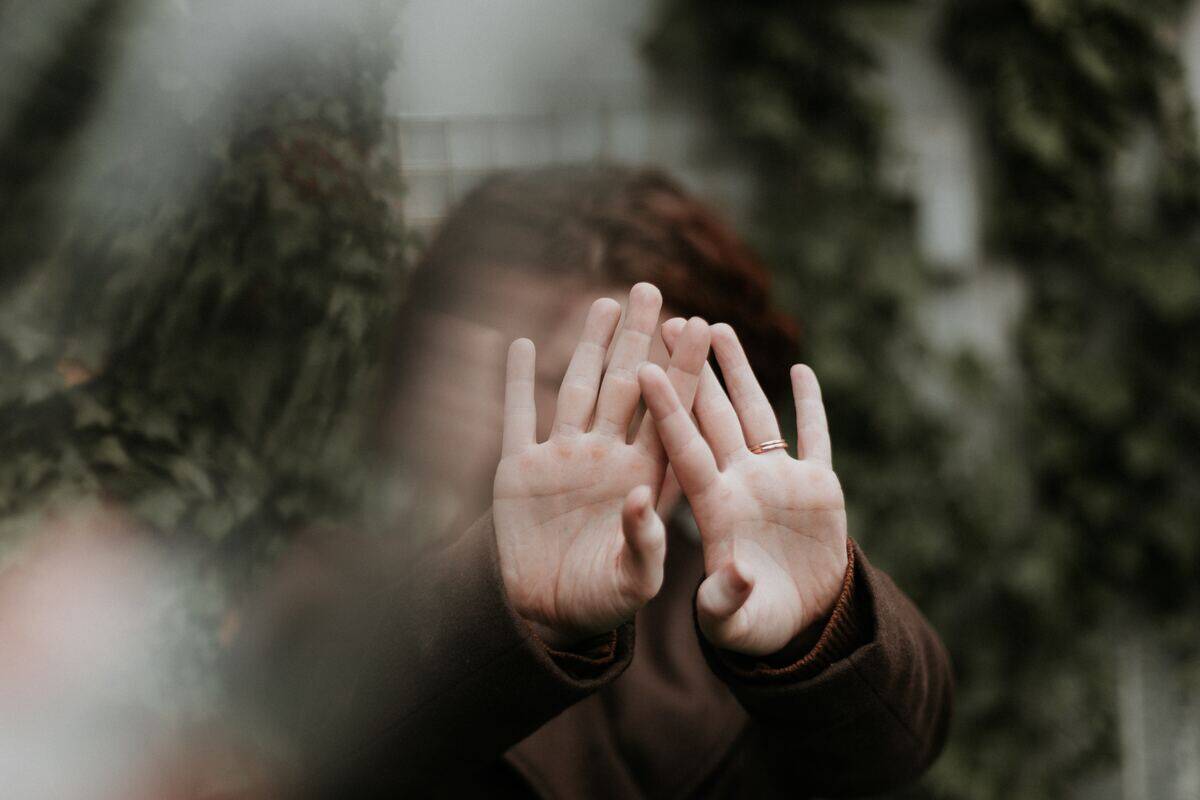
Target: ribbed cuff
{"x": 842, "y": 633}
{"x": 591, "y": 657}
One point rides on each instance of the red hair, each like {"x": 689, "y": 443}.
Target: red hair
{"x": 610, "y": 225}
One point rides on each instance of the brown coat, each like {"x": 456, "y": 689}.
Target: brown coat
{"x": 449, "y": 693}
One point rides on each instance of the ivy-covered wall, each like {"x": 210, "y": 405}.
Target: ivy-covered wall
{"x": 195, "y": 313}
{"x": 1073, "y": 516}
{"x": 1064, "y": 92}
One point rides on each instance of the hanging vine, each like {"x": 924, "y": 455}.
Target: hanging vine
{"x": 1087, "y": 494}
{"x": 1068, "y": 93}
{"x": 219, "y": 345}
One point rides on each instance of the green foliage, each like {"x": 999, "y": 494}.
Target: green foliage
{"x": 1064, "y": 92}
{"x": 1022, "y": 522}
{"x": 788, "y": 84}
{"x": 224, "y": 285}
{"x": 785, "y": 80}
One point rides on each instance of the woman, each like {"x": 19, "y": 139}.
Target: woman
{"x": 524, "y": 255}
{"x": 771, "y": 658}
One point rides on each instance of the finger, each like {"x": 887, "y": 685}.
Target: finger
{"x": 753, "y": 409}
{"x": 718, "y": 421}
{"x": 668, "y": 493}
{"x": 720, "y": 603}
{"x": 577, "y": 395}
{"x": 671, "y": 330}
{"x": 645, "y": 545}
{"x": 520, "y": 411}
{"x": 687, "y": 361}
{"x": 690, "y": 456}
{"x": 812, "y": 429}
{"x": 619, "y": 392}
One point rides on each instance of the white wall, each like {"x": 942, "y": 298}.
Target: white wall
{"x": 1190, "y": 44}
{"x": 490, "y": 83}
{"x": 483, "y": 85}
{"x": 502, "y": 57}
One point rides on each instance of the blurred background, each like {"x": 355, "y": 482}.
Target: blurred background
{"x": 984, "y": 215}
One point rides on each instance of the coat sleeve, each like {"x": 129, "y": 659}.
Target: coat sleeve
{"x": 406, "y": 676}
{"x": 866, "y": 710}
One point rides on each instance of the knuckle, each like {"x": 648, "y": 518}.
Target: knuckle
{"x": 575, "y": 383}
{"x": 621, "y": 376}
{"x": 566, "y": 430}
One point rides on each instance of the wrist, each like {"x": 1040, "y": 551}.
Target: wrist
{"x": 551, "y": 637}
{"x": 790, "y": 608}
{"x": 799, "y": 646}
{"x": 829, "y": 589}
{"x": 561, "y": 639}
{"x": 822, "y": 643}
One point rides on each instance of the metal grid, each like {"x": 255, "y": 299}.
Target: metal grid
{"x": 442, "y": 158}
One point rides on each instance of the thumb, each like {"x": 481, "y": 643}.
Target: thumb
{"x": 644, "y": 547}
{"x": 720, "y": 603}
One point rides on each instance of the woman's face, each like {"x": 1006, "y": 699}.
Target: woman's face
{"x": 449, "y": 421}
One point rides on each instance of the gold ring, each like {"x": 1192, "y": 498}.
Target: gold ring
{"x": 773, "y": 444}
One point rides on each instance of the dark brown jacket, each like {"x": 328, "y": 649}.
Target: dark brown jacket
{"x": 435, "y": 686}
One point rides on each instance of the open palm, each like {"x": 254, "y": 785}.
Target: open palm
{"x": 581, "y": 548}
{"x": 773, "y": 527}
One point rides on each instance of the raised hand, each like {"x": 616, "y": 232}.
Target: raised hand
{"x": 581, "y": 548}
{"x": 773, "y": 527}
